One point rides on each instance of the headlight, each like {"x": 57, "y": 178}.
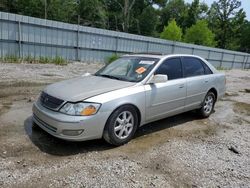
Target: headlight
{"x": 80, "y": 109}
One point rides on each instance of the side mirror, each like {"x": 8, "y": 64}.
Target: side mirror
{"x": 158, "y": 78}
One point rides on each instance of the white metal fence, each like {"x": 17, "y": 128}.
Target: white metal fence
{"x": 27, "y": 36}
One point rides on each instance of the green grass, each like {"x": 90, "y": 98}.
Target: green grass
{"x": 59, "y": 61}
{"x": 31, "y": 60}
{"x": 44, "y": 60}
{"x": 222, "y": 68}
{"x": 11, "y": 59}
{"x": 111, "y": 58}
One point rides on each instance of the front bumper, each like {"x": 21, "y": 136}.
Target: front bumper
{"x": 60, "y": 125}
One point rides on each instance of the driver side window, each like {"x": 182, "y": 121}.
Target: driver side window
{"x": 171, "y": 67}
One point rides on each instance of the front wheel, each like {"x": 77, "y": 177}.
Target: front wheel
{"x": 207, "y": 105}
{"x": 121, "y": 125}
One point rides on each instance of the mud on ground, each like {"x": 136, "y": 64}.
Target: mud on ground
{"x": 181, "y": 151}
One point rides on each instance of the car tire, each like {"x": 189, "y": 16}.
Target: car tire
{"x": 121, "y": 125}
{"x": 207, "y": 105}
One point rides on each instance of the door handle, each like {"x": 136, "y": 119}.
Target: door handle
{"x": 181, "y": 86}
{"x": 206, "y": 81}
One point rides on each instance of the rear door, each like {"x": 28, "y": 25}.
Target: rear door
{"x": 165, "y": 99}
{"x": 198, "y": 81}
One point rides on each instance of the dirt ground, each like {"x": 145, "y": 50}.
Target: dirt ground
{"x": 181, "y": 151}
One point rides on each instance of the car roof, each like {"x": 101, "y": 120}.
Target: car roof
{"x": 159, "y": 56}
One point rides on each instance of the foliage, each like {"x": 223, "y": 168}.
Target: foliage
{"x": 62, "y": 10}
{"x": 147, "y": 21}
{"x": 172, "y": 32}
{"x": 245, "y": 39}
{"x": 44, "y": 60}
{"x": 196, "y": 11}
{"x": 11, "y": 59}
{"x": 92, "y": 13}
{"x": 112, "y": 58}
{"x": 174, "y": 9}
{"x": 226, "y": 20}
{"x": 58, "y": 61}
{"x": 30, "y": 60}
{"x": 200, "y": 34}
{"x": 30, "y": 8}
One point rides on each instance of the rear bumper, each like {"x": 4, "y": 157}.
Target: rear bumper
{"x": 73, "y": 128}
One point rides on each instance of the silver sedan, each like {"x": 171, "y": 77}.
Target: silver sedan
{"x": 126, "y": 94}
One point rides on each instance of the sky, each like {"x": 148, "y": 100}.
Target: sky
{"x": 245, "y": 4}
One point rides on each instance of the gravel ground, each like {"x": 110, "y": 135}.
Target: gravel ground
{"x": 181, "y": 151}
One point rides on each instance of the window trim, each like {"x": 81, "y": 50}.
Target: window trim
{"x": 182, "y": 71}
{"x": 201, "y": 62}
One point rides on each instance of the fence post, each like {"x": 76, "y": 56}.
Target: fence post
{"x": 147, "y": 46}
{"x": 173, "y": 47}
{"x": 19, "y": 40}
{"x": 208, "y": 56}
{"x": 222, "y": 57}
{"x": 77, "y": 44}
{"x": 193, "y": 51}
{"x": 116, "y": 45}
{"x": 233, "y": 62}
{"x": 246, "y": 62}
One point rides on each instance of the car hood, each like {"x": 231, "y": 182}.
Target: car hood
{"x": 80, "y": 88}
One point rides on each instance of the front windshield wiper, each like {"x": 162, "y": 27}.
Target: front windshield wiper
{"x": 110, "y": 76}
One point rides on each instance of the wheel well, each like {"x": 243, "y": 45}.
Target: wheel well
{"x": 214, "y": 91}
{"x": 136, "y": 109}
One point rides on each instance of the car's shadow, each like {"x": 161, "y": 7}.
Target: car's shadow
{"x": 55, "y": 146}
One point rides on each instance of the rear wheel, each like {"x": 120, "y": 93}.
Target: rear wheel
{"x": 207, "y": 105}
{"x": 121, "y": 125}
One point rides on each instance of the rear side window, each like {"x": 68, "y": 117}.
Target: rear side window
{"x": 171, "y": 67}
{"x": 193, "y": 67}
{"x": 207, "y": 69}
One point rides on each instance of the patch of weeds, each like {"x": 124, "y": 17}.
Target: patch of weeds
{"x": 111, "y": 58}
{"x": 59, "y": 61}
{"x": 222, "y": 69}
{"x": 11, "y": 59}
{"x": 44, "y": 60}
{"x": 29, "y": 59}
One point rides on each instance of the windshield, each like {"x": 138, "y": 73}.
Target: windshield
{"x": 132, "y": 69}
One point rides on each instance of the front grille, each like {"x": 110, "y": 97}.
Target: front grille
{"x": 49, "y": 101}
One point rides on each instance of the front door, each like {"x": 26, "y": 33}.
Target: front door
{"x": 166, "y": 99}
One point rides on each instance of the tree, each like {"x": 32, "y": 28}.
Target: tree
{"x": 196, "y": 11}
{"x": 62, "y": 10}
{"x": 137, "y": 15}
{"x": 8, "y": 6}
{"x": 200, "y": 34}
{"x": 126, "y": 7}
{"x": 174, "y": 9}
{"x": 147, "y": 21}
{"x": 33, "y": 8}
{"x": 92, "y": 13}
{"x": 172, "y": 32}
{"x": 245, "y": 39}
{"x": 226, "y": 20}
